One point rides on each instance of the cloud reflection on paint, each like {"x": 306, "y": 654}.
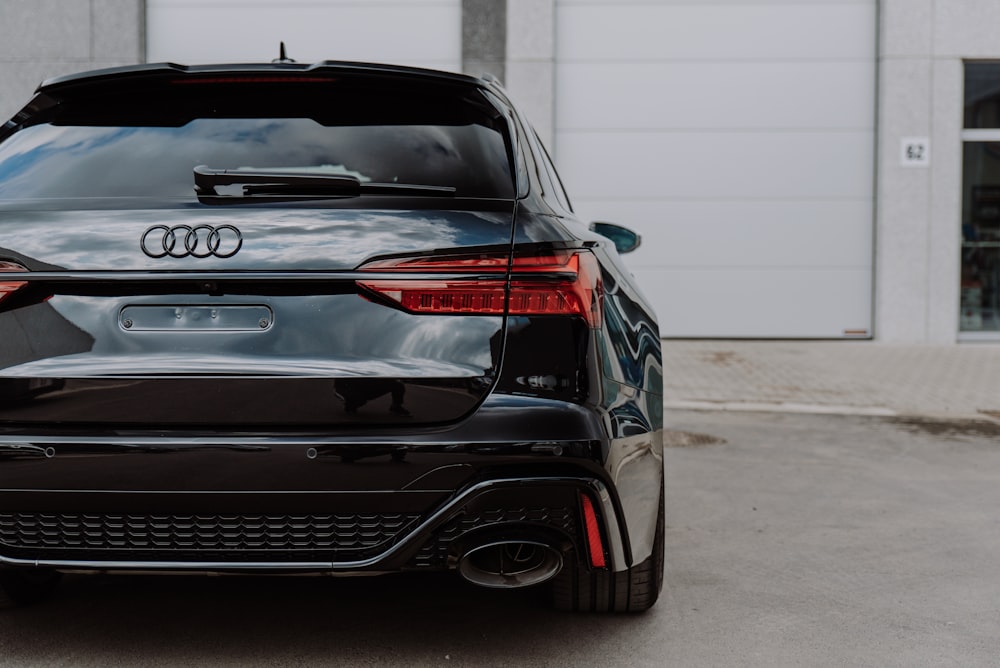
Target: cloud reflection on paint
{"x": 341, "y": 335}
{"x": 273, "y": 239}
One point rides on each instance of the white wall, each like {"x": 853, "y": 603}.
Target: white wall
{"x": 422, "y": 33}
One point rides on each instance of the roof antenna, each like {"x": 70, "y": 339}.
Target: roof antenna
{"x": 282, "y": 58}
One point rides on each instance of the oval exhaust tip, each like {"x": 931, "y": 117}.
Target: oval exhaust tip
{"x": 510, "y": 564}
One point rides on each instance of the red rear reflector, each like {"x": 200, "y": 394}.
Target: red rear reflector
{"x": 572, "y": 285}
{"x": 8, "y": 288}
{"x": 595, "y": 546}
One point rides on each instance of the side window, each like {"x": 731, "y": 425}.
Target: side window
{"x": 557, "y": 185}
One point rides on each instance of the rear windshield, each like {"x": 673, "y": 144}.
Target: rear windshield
{"x": 98, "y": 151}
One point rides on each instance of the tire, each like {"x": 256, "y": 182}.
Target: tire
{"x": 24, "y": 587}
{"x": 636, "y": 589}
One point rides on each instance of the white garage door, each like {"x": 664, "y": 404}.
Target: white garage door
{"x": 423, "y": 33}
{"x": 738, "y": 138}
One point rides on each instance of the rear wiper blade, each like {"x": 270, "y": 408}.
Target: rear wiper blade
{"x": 206, "y": 179}
{"x": 298, "y": 185}
{"x": 406, "y": 189}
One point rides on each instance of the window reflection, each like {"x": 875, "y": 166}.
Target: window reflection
{"x": 980, "y": 297}
{"x": 980, "y": 282}
{"x": 982, "y": 95}
{"x": 47, "y": 161}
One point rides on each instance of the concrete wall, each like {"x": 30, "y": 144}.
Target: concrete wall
{"x": 530, "y": 70}
{"x": 45, "y": 38}
{"x": 422, "y": 33}
{"x": 484, "y": 37}
{"x": 923, "y": 45}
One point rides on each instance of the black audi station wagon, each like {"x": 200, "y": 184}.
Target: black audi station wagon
{"x": 297, "y": 319}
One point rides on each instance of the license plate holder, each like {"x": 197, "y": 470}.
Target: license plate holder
{"x": 196, "y": 318}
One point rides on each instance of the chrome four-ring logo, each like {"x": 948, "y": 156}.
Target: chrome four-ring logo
{"x": 196, "y": 241}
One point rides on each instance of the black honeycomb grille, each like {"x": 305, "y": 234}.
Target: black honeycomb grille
{"x": 233, "y": 537}
{"x": 435, "y": 553}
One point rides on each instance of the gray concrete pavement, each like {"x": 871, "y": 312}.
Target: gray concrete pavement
{"x": 848, "y": 377}
{"x": 815, "y": 540}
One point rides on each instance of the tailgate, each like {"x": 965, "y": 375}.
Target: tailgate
{"x": 239, "y": 318}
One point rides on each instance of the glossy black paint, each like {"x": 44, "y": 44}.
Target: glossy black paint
{"x": 337, "y": 403}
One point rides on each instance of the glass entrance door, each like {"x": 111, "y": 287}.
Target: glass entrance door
{"x": 980, "y": 283}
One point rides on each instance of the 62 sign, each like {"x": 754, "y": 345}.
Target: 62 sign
{"x": 915, "y": 152}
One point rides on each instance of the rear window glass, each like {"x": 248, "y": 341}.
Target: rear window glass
{"x": 142, "y": 137}
{"x": 50, "y": 161}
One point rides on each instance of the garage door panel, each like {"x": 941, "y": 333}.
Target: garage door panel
{"x": 675, "y": 2}
{"x": 738, "y": 138}
{"x": 676, "y": 95}
{"x": 711, "y": 235}
{"x": 313, "y": 31}
{"x": 758, "y": 303}
{"x": 720, "y": 165}
{"x": 636, "y": 32}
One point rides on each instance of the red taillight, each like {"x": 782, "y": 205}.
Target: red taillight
{"x": 481, "y": 297}
{"x": 564, "y": 283}
{"x": 577, "y": 295}
{"x": 595, "y": 546}
{"x": 7, "y": 288}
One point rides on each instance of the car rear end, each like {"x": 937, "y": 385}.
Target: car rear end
{"x": 296, "y": 319}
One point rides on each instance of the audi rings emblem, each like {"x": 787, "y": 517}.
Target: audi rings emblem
{"x": 197, "y": 241}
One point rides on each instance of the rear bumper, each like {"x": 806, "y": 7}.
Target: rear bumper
{"x": 540, "y": 508}
{"x": 244, "y": 502}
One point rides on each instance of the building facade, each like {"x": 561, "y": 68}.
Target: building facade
{"x": 798, "y": 169}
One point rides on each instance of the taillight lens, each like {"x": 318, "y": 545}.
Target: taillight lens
{"x": 7, "y": 288}
{"x": 561, "y": 283}
{"x": 579, "y": 293}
